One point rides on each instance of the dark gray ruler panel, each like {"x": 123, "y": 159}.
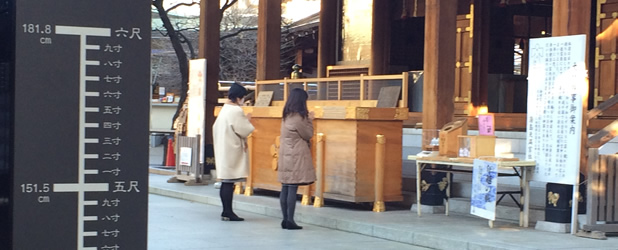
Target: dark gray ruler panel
{"x": 81, "y": 114}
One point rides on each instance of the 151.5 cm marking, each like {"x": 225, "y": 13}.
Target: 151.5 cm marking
{"x": 35, "y": 188}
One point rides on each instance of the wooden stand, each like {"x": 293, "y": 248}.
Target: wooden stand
{"x": 192, "y": 174}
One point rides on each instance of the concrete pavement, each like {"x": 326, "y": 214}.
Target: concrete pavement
{"x": 181, "y": 224}
{"x": 457, "y": 231}
{"x": 431, "y": 230}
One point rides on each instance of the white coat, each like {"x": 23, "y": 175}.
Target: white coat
{"x": 230, "y": 132}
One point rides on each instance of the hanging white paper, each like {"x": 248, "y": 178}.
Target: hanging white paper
{"x": 484, "y": 189}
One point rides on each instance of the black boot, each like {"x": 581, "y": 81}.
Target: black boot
{"x": 283, "y": 196}
{"x": 292, "y": 225}
{"x": 231, "y": 217}
{"x": 227, "y": 193}
{"x": 291, "y": 207}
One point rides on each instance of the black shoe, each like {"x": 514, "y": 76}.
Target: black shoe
{"x": 284, "y": 224}
{"x": 231, "y": 217}
{"x": 292, "y": 225}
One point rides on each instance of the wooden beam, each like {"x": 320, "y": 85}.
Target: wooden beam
{"x": 380, "y": 38}
{"x": 603, "y": 136}
{"x": 269, "y": 40}
{"x": 439, "y": 60}
{"x": 210, "y": 17}
{"x": 602, "y": 107}
{"x": 327, "y": 35}
{"x": 572, "y": 17}
{"x": 506, "y": 122}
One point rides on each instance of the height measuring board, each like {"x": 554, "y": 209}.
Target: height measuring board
{"x": 82, "y": 86}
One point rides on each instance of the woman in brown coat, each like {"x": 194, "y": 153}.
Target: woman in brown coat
{"x": 295, "y": 165}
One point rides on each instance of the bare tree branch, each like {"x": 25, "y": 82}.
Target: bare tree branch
{"x": 163, "y": 33}
{"x": 227, "y": 5}
{"x": 185, "y": 40}
{"x": 181, "y": 4}
{"x": 235, "y": 33}
{"x": 183, "y": 62}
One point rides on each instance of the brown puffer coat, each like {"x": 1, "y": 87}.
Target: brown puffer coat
{"x": 295, "y": 165}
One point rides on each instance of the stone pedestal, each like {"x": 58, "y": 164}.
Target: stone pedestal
{"x": 554, "y": 227}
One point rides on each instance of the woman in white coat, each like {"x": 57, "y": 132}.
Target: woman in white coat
{"x": 230, "y": 132}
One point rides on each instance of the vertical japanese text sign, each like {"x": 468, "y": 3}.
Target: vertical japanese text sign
{"x": 196, "y": 99}
{"x": 556, "y": 86}
{"x": 82, "y": 76}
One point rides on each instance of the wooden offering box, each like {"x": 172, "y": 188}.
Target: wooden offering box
{"x": 449, "y": 144}
{"x": 350, "y": 145}
{"x": 349, "y": 149}
{"x": 359, "y": 120}
{"x": 475, "y": 146}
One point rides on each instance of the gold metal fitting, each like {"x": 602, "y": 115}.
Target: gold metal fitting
{"x": 237, "y": 188}
{"x": 248, "y": 191}
{"x": 379, "y": 206}
{"x": 318, "y": 202}
{"x": 381, "y": 139}
{"x": 306, "y": 200}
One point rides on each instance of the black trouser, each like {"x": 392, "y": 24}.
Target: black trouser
{"x": 287, "y": 199}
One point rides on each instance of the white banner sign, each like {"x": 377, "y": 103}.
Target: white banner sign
{"x": 484, "y": 189}
{"x": 196, "y": 103}
{"x": 556, "y": 86}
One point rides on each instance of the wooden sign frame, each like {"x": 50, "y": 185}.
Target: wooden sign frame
{"x": 264, "y": 98}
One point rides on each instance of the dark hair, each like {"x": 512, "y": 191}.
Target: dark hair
{"x": 236, "y": 91}
{"x": 296, "y": 103}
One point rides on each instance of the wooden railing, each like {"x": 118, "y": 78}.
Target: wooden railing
{"x": 362, "y": 88}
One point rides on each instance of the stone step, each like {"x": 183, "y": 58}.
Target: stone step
{"x": 505, "y": 212}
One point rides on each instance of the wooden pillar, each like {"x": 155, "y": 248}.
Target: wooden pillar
{"x": 480, "y": 51}
{"x": 380, "y": 38}
{"x": 572, "y": 17}
{"x": 210, "y": 18}
{"x": 327, "y": 36}
{"x": 269, "y": 40}
{"x": 439, "y": 61}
